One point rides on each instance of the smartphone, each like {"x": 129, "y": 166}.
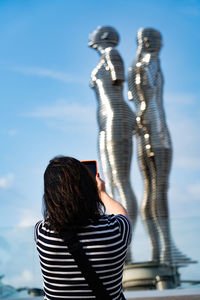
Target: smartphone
{"x": 91, "y": 165}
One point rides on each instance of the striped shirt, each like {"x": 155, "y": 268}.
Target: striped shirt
{"x": 105, "y": 243}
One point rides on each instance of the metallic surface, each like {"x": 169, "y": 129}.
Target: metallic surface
{"x": 145, "y": 81}
{"x": 150, "y": 275}
{"x": 115, "y": 118}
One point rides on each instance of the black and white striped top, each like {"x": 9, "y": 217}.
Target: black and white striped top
{"x": 105, "y": 243}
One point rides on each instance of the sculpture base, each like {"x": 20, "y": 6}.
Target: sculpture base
{"x": 149, "y": 276}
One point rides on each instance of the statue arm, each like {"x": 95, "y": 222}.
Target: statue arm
{"x": 92, "y": 83}
{"x": 115, "y": 65}
{"x": 148, "y": 71}
{"x": 135, "y": 124}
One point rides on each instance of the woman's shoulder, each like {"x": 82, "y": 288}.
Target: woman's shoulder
{"x": 114, "y": 223}
{"x": 43, "y": 228}
{"x": 111, "y": 220}
{"x": 121, "y": 220}
{"x": 37, "y": 229}
{"x": 40, "y": 224}
{"x": 114, "y": 217}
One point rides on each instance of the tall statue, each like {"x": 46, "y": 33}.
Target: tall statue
{"x": 145, "y": 81}
{"x": 115, "y": 118}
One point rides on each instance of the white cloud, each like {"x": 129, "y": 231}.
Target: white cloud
{"x": 180, "y": 99}
{"x": 28, "y": 218}
{"x": 188, "y": 162}
{"x": 24, "y": 278}
{"x": 13, "y": 132}
{"x": 68, "y": 112}
{"x": 48, "y": 73}
{"x": 194, "y": 190}
{"x": 183, "y": 201}
{"x": 6, "y": 181}
{"x": 186, "y": 143}
{"x": 182, "y": 112}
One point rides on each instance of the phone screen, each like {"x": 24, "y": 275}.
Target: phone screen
{"x": 91, "y": 165}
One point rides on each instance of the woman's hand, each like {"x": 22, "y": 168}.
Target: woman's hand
{"x": 111, "y": 205}
{"x": 100, "y": 184}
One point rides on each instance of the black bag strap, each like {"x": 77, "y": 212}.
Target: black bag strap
{"x": 75, "y": 248}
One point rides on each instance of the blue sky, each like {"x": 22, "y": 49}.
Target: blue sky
{"x": 48, "y": 108}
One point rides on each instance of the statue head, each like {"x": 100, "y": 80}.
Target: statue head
{"x": 149, "y": 40}
{"x": 103, "y": 37}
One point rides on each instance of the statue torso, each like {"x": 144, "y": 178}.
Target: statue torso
{"x": 111, "y": 105}
{"x": 145, "y": 75}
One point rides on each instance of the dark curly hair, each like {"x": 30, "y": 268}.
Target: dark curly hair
{"x": 71, "y": 196}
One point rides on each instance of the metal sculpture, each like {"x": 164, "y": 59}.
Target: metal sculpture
{"x": 115, "y": 118}
{"x": 145, "y": 82}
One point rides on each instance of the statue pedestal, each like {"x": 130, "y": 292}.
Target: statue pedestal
{"x": 149, "y": 276}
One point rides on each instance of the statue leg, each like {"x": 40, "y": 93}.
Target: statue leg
{"x": 169, "y": 252}
{"x": 162, "y": 161}
{"x": 105, "y": 165}
{"x": 120, "y": 153}
{"x": 148, "y": 173}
